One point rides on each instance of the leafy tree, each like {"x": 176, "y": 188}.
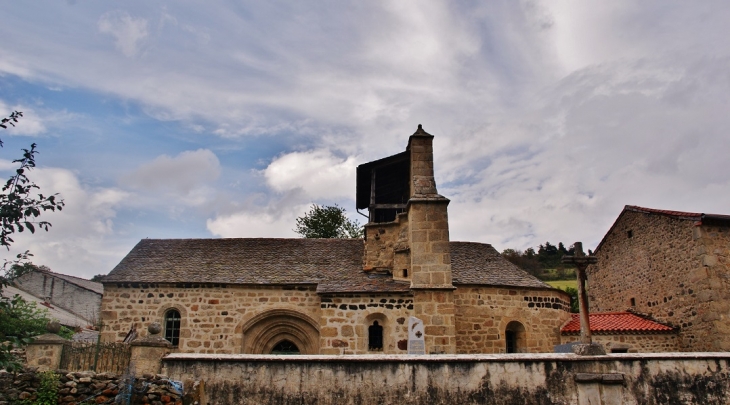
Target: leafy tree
{"x": 328, "y": 222}
{"x": 20, "y": 208}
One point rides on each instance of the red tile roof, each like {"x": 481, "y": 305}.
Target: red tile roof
{"x": 616, "y": 322}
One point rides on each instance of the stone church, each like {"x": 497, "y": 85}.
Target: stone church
{"x": 340, "y": 296}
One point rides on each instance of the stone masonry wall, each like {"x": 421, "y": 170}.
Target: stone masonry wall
{"x": 346, "y": 318}
{"x": 634, "y": 343}
{"x": 212, "y": 316}
{"x": 71, "y": 297}
{"x": 672, "y": 270}
{"x": 482, "y": 315}
{"x": 524, "y": 379}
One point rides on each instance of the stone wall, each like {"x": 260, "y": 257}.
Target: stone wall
{"x": 71, "y": 297}
{"x": 483, "y": 314}
{"x": 633, "y": 343}
{"x": 346, "y": 318}
{"x": 524, "y": 379}
{"x": 669, "y": 269}
{"x": 214, "y": 317}
{"x": 102, "y": 388}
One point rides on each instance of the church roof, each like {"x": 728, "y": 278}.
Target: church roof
{"x": 615, "y": 322}
{"x": 334, "y": 265}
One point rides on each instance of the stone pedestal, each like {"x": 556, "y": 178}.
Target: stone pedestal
{"x": 147, "y": 352}
{"x": 45, "y": 351}
{"x": 591, "y": 349}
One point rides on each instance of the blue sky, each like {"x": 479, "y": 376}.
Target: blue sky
{"x": 186, "y": 120}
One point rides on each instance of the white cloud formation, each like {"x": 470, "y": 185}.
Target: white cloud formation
{"x": 127, "y": 31}
{"x": 81, "y": 240}
{"x": 318, "y": 173}
{"x": 32, "y": 124}
{"x": 186, "y": 178}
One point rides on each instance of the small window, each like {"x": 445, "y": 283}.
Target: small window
{"x": 172, "y": 326}
{"x": 630, "y": 234}
{"x": 375, "y": 336}
{"x": 620, "y": 350}
{"x": 633, "y": 302}
{"x": 405, "y": 272}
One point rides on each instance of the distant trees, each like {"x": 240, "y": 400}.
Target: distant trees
{"x": 546, "y": 263}
{"x": 327, "y": 222}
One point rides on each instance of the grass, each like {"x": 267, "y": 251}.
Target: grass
{"x": 561, "y": 284}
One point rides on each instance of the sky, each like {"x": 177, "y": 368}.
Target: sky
{"x": 193, "y": 119}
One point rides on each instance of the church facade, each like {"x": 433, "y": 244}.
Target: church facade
{"x": 340, "y": 296}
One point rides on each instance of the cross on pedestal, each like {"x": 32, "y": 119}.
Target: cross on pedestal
{"x": 581, "y": 262}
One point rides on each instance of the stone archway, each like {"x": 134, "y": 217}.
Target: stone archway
{"x": 263, "y": 332}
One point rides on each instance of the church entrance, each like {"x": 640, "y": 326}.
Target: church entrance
{"x": 285, "y": 347}
{"x": 281, "y": 331}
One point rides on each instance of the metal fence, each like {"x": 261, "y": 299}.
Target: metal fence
{"x": 98, "y": 357}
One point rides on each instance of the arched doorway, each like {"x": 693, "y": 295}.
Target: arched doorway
{"x": 267, "y": 332}
{"x": 514, "y": 336}
{"x": 285, "y": 347}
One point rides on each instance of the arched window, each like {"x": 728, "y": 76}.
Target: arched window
{"x": 172, "y": 326}
{"x": 514, "y": 335}
{"x": 375, "y": 336}
{"x": 285, "y": 347}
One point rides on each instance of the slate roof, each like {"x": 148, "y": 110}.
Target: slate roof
{"x": 480, "y": 263}
{"x": 615, "y": 323}
{"x": 334, "y": 265}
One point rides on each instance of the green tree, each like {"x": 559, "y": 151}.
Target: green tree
{"x": 20, "y": 208}
{"x": 327, "y": 222}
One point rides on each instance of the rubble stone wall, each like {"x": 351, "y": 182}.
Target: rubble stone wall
{"x": 672, "y": 270}
{"x": 346, "y": 319}
{"x": 102, "y": 388}
{"x": 633, "y": 343}
{"x": 483, "y": 314}
{"x": 213, "y": 316}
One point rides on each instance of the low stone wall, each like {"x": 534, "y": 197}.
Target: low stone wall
{"x": 633, "y": 343}
{"x": 90, "y": 388}
{"x": 668, "y": 378}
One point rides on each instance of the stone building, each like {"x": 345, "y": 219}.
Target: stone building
{"x": 671, "y": 266}
{"x": 340, "y": 296}
{"x": 76, "y": 295}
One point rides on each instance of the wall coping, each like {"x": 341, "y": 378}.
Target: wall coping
{"x": 456, "y": 358}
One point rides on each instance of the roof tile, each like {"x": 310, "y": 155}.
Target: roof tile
{"x": 616, "y": 322}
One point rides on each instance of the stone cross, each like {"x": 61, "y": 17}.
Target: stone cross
{"x": 581, "y": 262}
{"x": 416, "y": 338}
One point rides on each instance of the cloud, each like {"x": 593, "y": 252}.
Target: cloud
{"x": 81, "y": 240}
{"x": 188, "y": 177}
{"x": 128, "y": 32}
{"x": 29, "y": 125}
{"x": 318, "y": 173}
